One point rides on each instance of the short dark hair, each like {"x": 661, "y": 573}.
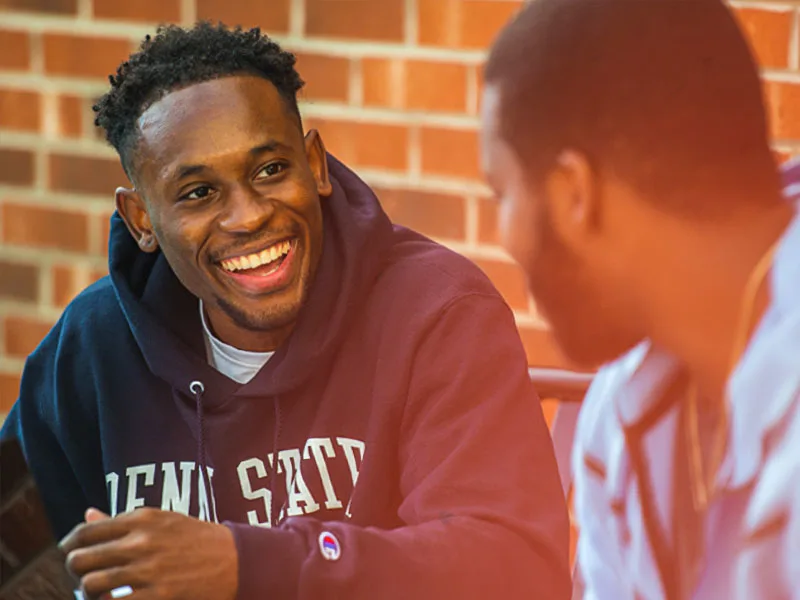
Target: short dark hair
{"x": 660, "y": 92}
{"x": 175, "y": 58}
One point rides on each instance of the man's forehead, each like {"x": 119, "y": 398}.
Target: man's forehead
{"x": 228, "y": 98}
{"x": 215, "y": 117}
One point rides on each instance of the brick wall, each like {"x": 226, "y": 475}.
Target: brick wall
{"x": 393, "y": 86}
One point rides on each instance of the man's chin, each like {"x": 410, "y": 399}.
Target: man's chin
{"x": 588, "y": 353}
{"x": 267, "y": 317}
{"x": 583, "y": 354}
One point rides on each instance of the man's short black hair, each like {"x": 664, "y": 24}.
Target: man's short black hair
{"x": 660, "y": 92}
{"x": 175, "y": 58}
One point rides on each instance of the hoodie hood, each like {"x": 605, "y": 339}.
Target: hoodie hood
{"x": 165, "y": 320}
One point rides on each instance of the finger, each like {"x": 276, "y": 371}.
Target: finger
{"x": 96, "y": 532}
{"x": 105, "y": 583}
{"x": 116, "y": 553}
{"x": 94, "y": 514}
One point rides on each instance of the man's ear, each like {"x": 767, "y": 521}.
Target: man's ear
{"x": 571, "y": 192}
{"x": 318, "y": 161}
{"x": 132, "y": 209}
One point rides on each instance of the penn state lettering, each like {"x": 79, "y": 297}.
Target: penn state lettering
{"x": 319, "y": 476}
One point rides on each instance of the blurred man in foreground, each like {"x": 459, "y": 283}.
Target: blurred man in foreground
{"x": 628, "y": 147}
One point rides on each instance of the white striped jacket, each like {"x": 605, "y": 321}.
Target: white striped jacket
{"x": 753, "y": 526}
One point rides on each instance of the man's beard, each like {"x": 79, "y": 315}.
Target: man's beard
{"x": 265, "y": 321}
{"x": 588, "y": 331}
{"x": 274, "y": 318}
{"x": 563, "y": 296}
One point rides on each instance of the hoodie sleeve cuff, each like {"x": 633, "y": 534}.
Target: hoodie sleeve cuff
{"x": 269, "y": 561}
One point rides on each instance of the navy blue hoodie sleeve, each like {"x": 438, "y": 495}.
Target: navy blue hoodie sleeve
{"x": 484, "y": 512}
{"x": 47, "y": 422}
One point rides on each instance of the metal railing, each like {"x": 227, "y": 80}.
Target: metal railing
{"x": 560, "y": 384}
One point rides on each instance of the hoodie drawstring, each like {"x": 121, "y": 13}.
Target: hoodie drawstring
{"x": 198, "y": 389}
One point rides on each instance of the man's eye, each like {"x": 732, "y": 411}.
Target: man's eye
{"x": 197, "y": 193}
{"x": 271, "y": 170}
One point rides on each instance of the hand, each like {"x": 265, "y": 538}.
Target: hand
{"x": 161, "y": 555}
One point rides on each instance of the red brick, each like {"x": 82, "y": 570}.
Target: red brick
{"x": 16, "y": 166}
{"x": 542, "y": 349}
{"x": 549, "y": 407}
{"x": 45, "y": 6}
{"x": 67, "y": 283}
{"x": 784, "y": 104}
{"x": 487, "y": 222}
{"x": 381, "y": 20}
{"x": 97, "y": 274}
{"x": 507, "y": 277}
{"x": 105, "y": 233}
{"x": 451, "y": 152}
{"x": 9, "y": 390}
{"x": 479, "y": 85}
{"x": 364, "y": 144}
{"x": 16, "y": 54}
{"x": 326, "y": 77}
{"x": 769, "y": 33}
{"x": 272, "y": 15}
{"x": 384, "y": 81}
{"x": 81, "y": 56}
{"x": 436, "y": 86}
{"x": 20, "y": 110}
{"x": 71, "y": 114}
{"x": 19, "y": 281}
{"x": 23, "y": 335}
{"x": 463, "y": 23}
{"x": 416, "y": 85}
{"x": 44, "y": 227}
{"x": 434, "y": 215}
{"x": 573, "y": 543}
{"x": 86, "y": 175}
{"x": 151, "y": 11}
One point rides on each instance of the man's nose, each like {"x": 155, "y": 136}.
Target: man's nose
{"x": 245, "y": 211}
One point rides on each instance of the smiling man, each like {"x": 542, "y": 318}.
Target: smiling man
{"x": 277, "y": 393}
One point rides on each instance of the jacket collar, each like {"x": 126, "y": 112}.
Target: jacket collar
{"x": 766, "y": 382}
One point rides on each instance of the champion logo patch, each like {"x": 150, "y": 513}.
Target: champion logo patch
{"x": 329, "y": 546}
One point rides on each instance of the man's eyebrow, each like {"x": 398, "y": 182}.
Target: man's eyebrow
{"x": 183, "y": 171}
{"x": 270, "y": 146}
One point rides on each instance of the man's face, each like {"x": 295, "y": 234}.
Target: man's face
{"x": 230, "y": 190}
{"x": 540, "y": 226}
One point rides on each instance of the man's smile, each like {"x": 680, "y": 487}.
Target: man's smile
{"x": 254, "y": 260}
{"x": 263, "y": 271}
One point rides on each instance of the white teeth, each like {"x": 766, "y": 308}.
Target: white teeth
{"x": 251, "y": 261}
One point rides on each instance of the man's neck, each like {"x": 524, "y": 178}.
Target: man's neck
{"x": 697, "y": 304}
